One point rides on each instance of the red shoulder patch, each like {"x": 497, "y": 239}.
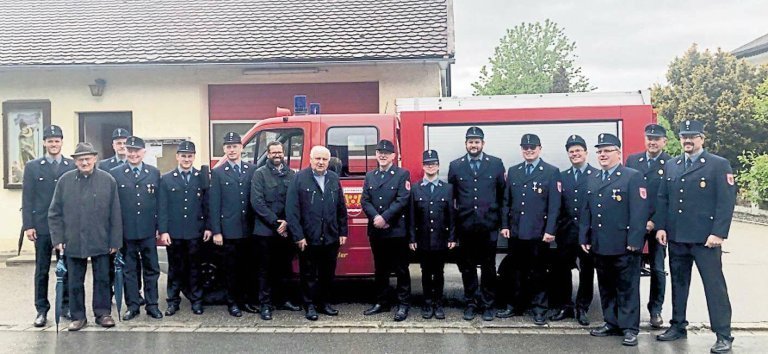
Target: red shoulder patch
{"x": 730, "y": 178}
{"x": 643, "y": 193}
{"x": 559, "y": 187}
{"x": 408, "y": 185}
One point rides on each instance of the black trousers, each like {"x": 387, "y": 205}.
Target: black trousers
{"x": 432, "y": 278}
{"x": 274, "y": 255}
{"x": 184, "y": 271}
{"x": 76, "y": 268}
{"x": 710, "y": 266}
{"x": 390, "y": 255}
{"x": 656, "y": 255}
{"x": 476, "y": 248}
{"x": 237, "y": 252}
{"x": 618, "y": 279}
{"x": 561, "y": 281}
{"x": 530, "y": 260}
{"x": 317, "y": 267}
{"x": 43, "y": 248}
{"x": 144, "y": 252}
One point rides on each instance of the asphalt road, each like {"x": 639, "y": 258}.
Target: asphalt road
{"x": 93, "y": 342}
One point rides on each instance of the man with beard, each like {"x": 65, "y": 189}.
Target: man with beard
{"x": 182, "y": 224}
{"x": 137, "y": 184}
{"x": 386, "y": 192}
{"x": 40, "y": 177}
{"x": 529, "y": 217}
{"x": 478, "y": 192}
{"x": 567, "y": 237}
{"x": 694, "y": 212}
{"x": 612, "y": 228}
{"x": 231, "y": 220}
{"x": 85, "y": 220}
{"x": 651, "y": 164}
{"x": 317, "y": 221}
{"x": 274, "y": 250}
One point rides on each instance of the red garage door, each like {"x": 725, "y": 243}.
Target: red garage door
{"x": 254, "y": 102}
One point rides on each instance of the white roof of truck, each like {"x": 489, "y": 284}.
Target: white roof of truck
{"x": 549, "y": 100}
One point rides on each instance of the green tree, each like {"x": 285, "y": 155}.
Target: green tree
{"x": 760, "y": 102}
{"x": 715, "y": 88}
{"x": 673, "y": 143}
{"x": 532, "y": 58}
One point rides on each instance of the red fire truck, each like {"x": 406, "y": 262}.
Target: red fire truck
{"x": 440, "y": 124}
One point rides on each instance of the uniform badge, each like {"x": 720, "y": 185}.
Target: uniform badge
{"x": 539, "y": 191}
{"x": 730, "y": 179}
{"x": 661, "y": 172}
{"x": 703, "y": 184}
{"x": 407, "y": 185}
{"x": 643, "y": 193}
{"x": 616, "y": 195}
{"x": 559, "y": 187}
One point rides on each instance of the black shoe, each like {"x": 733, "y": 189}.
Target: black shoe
{"x": 562, "y": 314}
{"x": 439, "y": 312}
{"x": 197, "y": 309}
{"x": 155, "y": 313}
{"x": 234, "y": 311}
{"x": 41, "y": 319}
{"x": 130, "y": 314}
{"x": 469, "y": 313}
{"x": 672, "y": 333}
{"x": 171, "y": 310}
{"x": 488, "y": 314}
{"x": 605, "y": 331}
{"x": 401, "y": 314}
{"x": 328, "y": 310}
{"x": 539, "y": 319}
{"x": 290, "y": 306}
{"x": 506, "y": 313}
{"x": 251, "y": 308}
{"x": 265, "y": 312}
{"x": 656, "y": 320}
{"x": 723, "y": 345}
{"x": 427, "y": 312}
{"x": 630, "y": 339}
{"x": 581, "y": 317}
{"x": 377, "y": 308}
{"x": 311, "y": 313}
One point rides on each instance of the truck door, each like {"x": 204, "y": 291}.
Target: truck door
{"x": 353, "y": 153}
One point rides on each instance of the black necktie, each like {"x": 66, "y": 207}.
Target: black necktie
{"x": 528, "y": 169}
{"x": 186, "y": 176}
{"x": 688, "y": 163}
{"x": 605, "y": 175}
{"x": 576, "y": 174}
{"x": 475, "y": 164}
{"x": 237, "y": 169}
{"x": 55, "y": 166}
{"x": 650, "y": 162}
{"x": 431, "y": 187}
{"x": 136, "y": 172}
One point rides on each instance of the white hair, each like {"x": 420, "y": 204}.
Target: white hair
{"x": 319, "y": 149}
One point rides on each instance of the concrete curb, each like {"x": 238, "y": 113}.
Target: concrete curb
{"x": 474, "y": 327}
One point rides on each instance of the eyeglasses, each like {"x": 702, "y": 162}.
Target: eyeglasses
{"x": 528, "y": 147}
{"x": 606, "y": 151}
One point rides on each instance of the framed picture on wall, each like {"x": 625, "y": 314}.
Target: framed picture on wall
{"x": 23, "y": 123}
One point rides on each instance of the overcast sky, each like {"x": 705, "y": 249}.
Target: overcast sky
{"x": 621, "y": 45}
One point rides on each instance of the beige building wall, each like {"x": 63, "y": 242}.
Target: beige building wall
{"x": 172, "y": 101}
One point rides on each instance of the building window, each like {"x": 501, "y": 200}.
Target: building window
{"x": 23, "y": 124}
{"x": 353, "y": 150}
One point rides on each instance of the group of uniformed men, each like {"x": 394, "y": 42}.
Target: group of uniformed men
{"x": 583, "y": 217}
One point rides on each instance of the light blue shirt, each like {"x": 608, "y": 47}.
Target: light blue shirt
{"x": 694, "y": 157}
{"x": 50, "y": 159}
{"x": 610, "y": 171}
{"x": 320, "y": 179}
